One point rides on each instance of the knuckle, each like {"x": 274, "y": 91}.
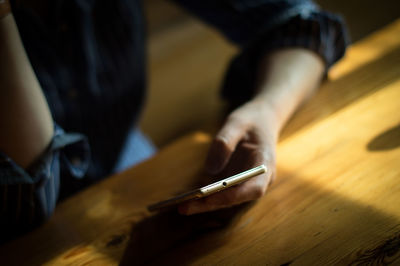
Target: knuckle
{"x": 257, "y": 192}
{"x": 235, "y": 119}
{"x": 259, "y": 153}
{"x": 221, "y": 142}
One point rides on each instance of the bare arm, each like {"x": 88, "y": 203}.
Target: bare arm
{"x": 288, "y": 77}
{"x": 25, "y": 120}
{"x": 249, "y": 136}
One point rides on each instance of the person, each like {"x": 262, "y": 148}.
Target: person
{"x": 72, "y": 79}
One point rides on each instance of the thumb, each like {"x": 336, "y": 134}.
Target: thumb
{"x": 223, "y": 145}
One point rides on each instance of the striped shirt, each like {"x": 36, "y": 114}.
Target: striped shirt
{"x": 90, "y": 59}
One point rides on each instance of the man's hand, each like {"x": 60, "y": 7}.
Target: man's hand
{"x": 288, "y": 77}
{"x": 247, "y": 139}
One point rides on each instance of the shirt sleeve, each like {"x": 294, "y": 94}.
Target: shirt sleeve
{"x": 28, "y": 197}
{"x": 260, "y": 26}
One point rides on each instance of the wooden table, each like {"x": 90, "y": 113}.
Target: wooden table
{"x": 336, "y": 199}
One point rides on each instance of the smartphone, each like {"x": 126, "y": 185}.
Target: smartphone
{"x": 209, "y": 189}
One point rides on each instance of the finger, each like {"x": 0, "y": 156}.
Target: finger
{"x": 224, "y": 145}
{"x": 248, "y": 191}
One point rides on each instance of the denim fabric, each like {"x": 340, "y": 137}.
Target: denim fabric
{"x": 320, "y": 32}
{"x": 260, "y": 26}
{"x": 29, "y": 196}
{"x": 137, "y": 149}
{"x": 242, "y": 21}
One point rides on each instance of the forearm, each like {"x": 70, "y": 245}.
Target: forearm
{"x": 287, "y": 78}
{"x": 25, "y": 119}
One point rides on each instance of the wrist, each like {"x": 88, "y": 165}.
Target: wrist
{"x": 268, "y": 115}
{"x": 287, "y": 78}
{"x": 5, "y": 8}
{"x": 273, "y": 108}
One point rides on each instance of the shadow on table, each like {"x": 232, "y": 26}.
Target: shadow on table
{"x": 155, "y": 236}
{"x": 388, "y": 140}
{"x": 171, "y": 239}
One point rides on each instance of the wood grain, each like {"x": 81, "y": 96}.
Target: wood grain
{"x": 336, "y": 199}
{"x": 359, "y": 73}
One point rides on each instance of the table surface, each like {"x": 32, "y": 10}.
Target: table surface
{"x": 336, "y": 199}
